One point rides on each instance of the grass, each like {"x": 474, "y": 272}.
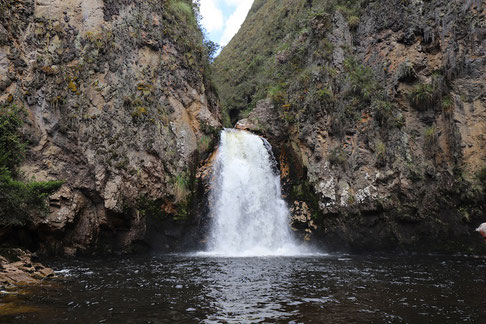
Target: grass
{"x": 181, "y": 187}
{"x": 204, "y": 144}
{"x": 361, "y": 79}
{"x": 406, "y": 72}
{"x": 430, "y": 141}
{"x": 183, "y": 10}
{"x": 423, "y": 97}
{"x": 384, "y": 113}
{"x": 481, "y": 176}
{"x": 276, "y": 94}
{"x": 429, "y": 95}
{"x": 447, "y": 104}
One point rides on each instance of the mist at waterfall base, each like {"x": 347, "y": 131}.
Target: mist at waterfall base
{"x": 249, "y": 216}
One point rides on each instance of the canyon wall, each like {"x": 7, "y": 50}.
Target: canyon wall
{"x": 119, "y": 106}
{"x": 377, "y": 112}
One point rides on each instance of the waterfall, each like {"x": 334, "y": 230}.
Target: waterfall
{"x": 249, "y": 216}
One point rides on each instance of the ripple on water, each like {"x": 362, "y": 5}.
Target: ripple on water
{"x": 190, "y": 288}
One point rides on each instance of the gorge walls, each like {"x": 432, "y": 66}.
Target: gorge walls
{"x": 377, "y": 110}
{"x": 118, "y": 104}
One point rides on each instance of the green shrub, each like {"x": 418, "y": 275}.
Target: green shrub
{"x": 277, "y": 94}
{"x": 183, "y": 10}
{"x": 18, "y": 200}
{"x": 422, "y": 97}
{"x": 361, "y": 79}
{"x": 11, "y": 147}
{"x": 353, "y": 22}
{"x": 482, "y": 177}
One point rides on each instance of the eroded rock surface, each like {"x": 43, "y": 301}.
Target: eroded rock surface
{"x": 17, "y": 267}
{"x": 378, "y": 119}
{"x": 118, "y": 106}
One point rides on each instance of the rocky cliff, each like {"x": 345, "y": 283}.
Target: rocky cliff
{"x": 377, "y": 112}
{"x": 119, "y": 107}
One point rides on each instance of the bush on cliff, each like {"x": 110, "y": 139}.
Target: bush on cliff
{"x": 482, "y": 177}
{"x": 19, "y": 200}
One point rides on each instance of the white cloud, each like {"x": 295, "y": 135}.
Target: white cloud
{"x": 234, "y": 2}
{"x": 212, "y": 16}
{"x": 233, "y": 23}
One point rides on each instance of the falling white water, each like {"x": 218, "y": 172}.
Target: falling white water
{"x": 249, "y": 215}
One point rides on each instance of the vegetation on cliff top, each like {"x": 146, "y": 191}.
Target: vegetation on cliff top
{"x": 271, "y": 51}
{"x": 19, "y": 200}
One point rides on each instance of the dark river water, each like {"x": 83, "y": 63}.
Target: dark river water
{"x": 317, "y": 289}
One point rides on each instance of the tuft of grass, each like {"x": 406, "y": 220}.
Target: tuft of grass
{"x": 428, "y": 96}
{"x": 183, "y": 10}
{"x": 482, "y": 177}
{"x": 422, "y": 97}
{"x": 353, "y": 22}
{"x": 381, "y": 153}
{"x": 139, "y": 112}
{"x": 325, "y": 94}
{"x": 277, "y": 94}
{"x": 72, "y": 86}
{"x": 383, "y": 112}
{"x": 406, "y": 72}
{"x": 204, "y": 144}
{"x": 430, "y": 137}
{"x": 447, "y": 104}
{"x": 181, "y": 187}
{"x": 361, "y": 79}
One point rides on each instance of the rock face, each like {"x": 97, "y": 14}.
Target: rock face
{"x": 377, "y": 112}
{"x": 118, "y": 105}
{"x": 17, "y": 267}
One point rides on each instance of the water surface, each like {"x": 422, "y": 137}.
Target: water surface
{"x": 312, "y": 289}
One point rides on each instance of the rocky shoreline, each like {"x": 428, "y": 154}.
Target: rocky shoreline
{"x": 19, "y": 267}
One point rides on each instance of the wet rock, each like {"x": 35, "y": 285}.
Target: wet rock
{"x": 16, "y": 267}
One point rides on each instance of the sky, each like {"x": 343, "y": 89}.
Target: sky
{"x": 223, "y": 18}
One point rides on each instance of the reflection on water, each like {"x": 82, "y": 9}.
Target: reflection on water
{"x": 249, "y": 289}
{"x": 195, "y": 289}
